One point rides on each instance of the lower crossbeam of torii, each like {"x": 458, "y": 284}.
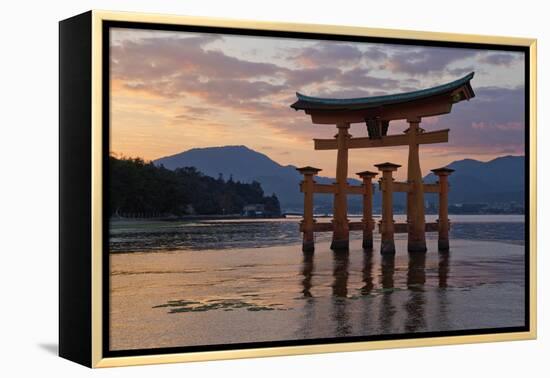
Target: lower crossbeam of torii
{"x": 377, "y": 112}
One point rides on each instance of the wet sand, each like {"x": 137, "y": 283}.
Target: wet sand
{"x": 189, "y": 298}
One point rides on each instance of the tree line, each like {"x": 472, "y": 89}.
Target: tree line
{"x": 138, "y": 188}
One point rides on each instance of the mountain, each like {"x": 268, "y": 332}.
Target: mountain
{"x": 497, "y": 181}
{"x": 246, "y": 165}
{"x": 500, "y": 180}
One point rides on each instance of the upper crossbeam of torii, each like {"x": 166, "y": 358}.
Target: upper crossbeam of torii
{"x": 377, "y": 112}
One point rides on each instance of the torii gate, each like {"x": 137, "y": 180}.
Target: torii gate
{"x": 377, "y": 112}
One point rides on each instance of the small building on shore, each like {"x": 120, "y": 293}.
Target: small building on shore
{"x": 254, "y": 210}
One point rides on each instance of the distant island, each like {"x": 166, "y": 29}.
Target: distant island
{"x": 140, "y": 189}
{"x": 232, "y": 181}
{"x": 493, "y": 187}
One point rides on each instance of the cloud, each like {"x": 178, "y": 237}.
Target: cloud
{"x": 425, "y": 60}
{"x": 337, "y": 54}
{"x": 500, "y": 59}
{"x": 199, "y": 110}
{"x": 176, "y": 68}
{"x": 356, "y": 79}
{"x": 193, "y": 70}
{"x": 327, "y": 54}
{"x": 359, "y": 77}
{"x": 493, "y": 120}
{"x": 347, "y": 92}
{"x": 188, "y": 117}
{"x": 151, "y": 58}
{"x": 498, "y": 126}
{"x": 231, "y": 91}
{"x": 461, "y": 71}
{"x": 375, "y": 53}
{"x": 301, "y": 77}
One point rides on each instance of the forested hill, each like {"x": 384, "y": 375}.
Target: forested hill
{"x": 248, "y": 165}
{"x": 141, "y": 189}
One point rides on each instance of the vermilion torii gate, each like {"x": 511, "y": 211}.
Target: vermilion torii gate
{"x": 377, "y": 112}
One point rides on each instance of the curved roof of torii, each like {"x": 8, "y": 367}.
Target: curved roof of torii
{"x": 318, "y": 103}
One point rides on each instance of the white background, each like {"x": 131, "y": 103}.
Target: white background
{"x": 28, "y": 186}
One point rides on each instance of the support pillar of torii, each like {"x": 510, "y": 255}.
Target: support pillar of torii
{"x": 415, "y": 196}
{"x": 340, "y": 233}
{"x": 368, "y": 221}
{"x": 308, "y": 221}
{"x": 443, "y": 223}
{"x": 377, "y": 112}
{"x": 387, "y": 227}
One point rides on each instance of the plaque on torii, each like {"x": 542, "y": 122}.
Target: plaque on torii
{"x": 377, "y": 112}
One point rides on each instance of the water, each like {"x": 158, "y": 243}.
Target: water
{"x": 151, "y": 236}
{"x": 222, "y": 282}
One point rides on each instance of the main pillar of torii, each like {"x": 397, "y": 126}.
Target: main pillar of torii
{"x": 377, "y": 112}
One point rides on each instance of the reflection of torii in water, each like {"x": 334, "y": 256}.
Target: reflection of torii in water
{"x": 377, "y": 112}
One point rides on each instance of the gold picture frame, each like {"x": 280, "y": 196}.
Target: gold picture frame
{"x": 89, "y": 237}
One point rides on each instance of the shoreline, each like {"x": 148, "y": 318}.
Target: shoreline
{"x": 189, "y": 218}
{"x": 115, "y": 220}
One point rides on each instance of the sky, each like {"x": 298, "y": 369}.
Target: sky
{"x": 173, "y": 91}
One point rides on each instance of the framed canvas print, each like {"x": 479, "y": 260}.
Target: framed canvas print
{"x": 236, "y": 189}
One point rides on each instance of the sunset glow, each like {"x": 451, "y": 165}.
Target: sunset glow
{"x": 173, "y": 91}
